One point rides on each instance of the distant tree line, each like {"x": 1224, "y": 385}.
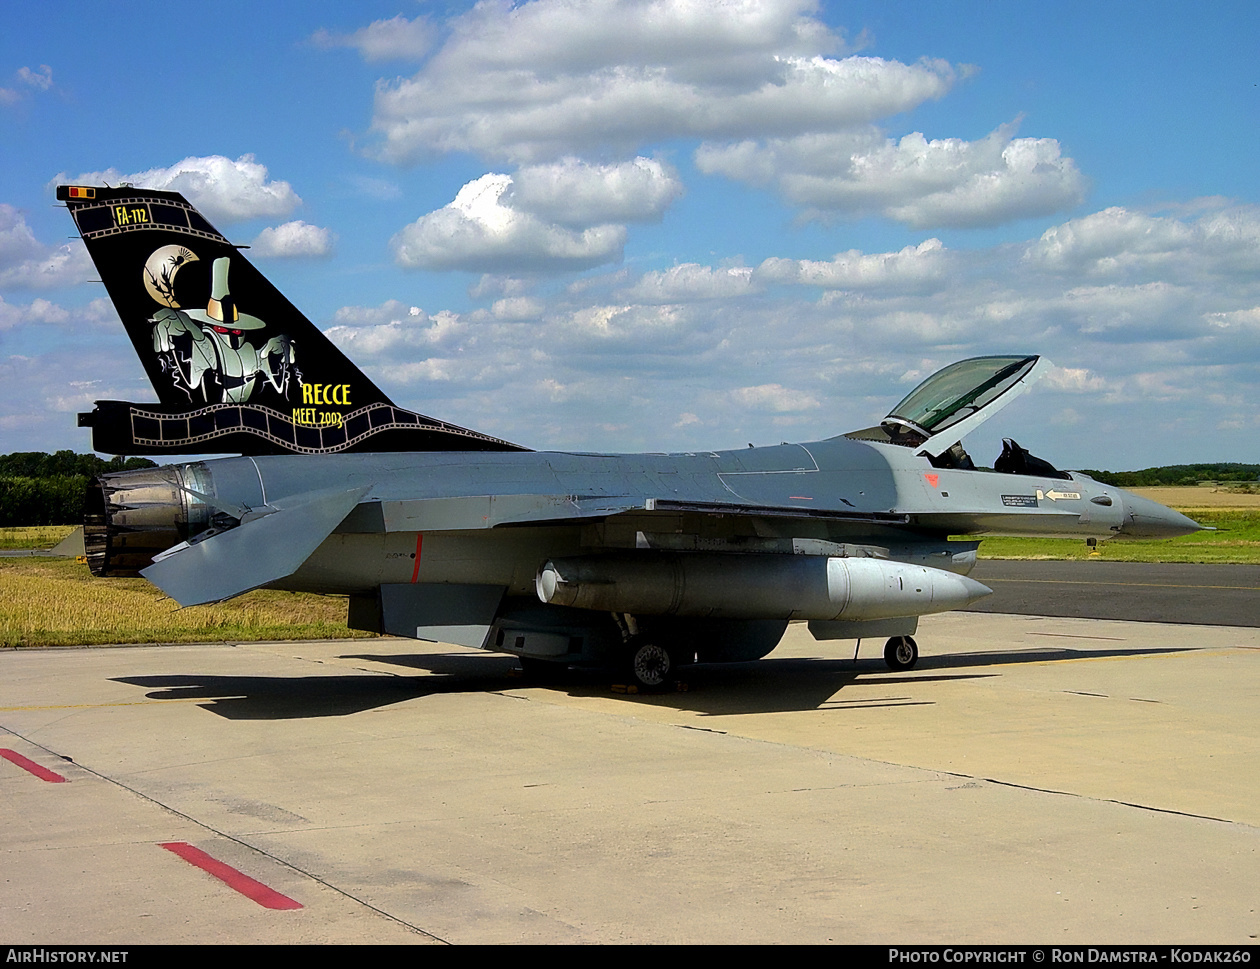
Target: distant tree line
{"x": 1178, "y": 474}
{"x": 48, "y": 489}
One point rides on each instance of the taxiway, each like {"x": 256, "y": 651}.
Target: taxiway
{"x": 1058, "y": 780}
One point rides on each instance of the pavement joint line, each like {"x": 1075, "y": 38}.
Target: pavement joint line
{"x": 1110, "y": 800}
{"x": 976, "y": 777}
{"x": 228, "y": 837}
{"x": 1050, "y": 790}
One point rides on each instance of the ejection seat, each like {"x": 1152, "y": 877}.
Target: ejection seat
{"x": 1016, "y": 460}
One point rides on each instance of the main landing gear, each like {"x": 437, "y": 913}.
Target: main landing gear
{"x": 901, "y": 653}
{"x": 650, "y": 665}
{"x": 646, "y": 661}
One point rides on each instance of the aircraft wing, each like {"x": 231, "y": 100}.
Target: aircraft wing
{"x": 494, "y": 511}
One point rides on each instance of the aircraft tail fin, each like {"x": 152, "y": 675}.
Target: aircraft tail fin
{"x": 236, "y": 366}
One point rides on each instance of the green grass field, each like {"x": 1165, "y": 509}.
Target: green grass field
{"x": 1235, "y": 541}
{"x": 57, "y": 602}
{"x": 38, "y": 536}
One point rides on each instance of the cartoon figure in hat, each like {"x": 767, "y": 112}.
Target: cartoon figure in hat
{"x": 209, "y": 353}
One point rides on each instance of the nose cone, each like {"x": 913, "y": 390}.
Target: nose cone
{"x": 546, "y": 582}
{"x": 950, "y": 591}
{"x": 1144, "y": 518}
{"x": 974, "y": 590}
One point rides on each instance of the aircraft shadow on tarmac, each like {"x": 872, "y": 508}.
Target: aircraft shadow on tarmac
{"x": 765, "y": 686}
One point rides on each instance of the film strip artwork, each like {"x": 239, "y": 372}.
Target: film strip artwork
{"x": 127, "y": 428}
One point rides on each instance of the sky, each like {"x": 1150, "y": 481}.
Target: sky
{"x": 676, "y": 225}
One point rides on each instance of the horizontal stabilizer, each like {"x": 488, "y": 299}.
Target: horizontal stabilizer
{"x": 71, "y": 545}
{"x": 259, "y": 551}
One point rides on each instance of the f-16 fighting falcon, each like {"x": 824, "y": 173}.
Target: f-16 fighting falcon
{"x": 645, "y": 562}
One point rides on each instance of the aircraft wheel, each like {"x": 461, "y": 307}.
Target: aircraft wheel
{"x": 651, "y": 665}
{"x": 901, "y": 653}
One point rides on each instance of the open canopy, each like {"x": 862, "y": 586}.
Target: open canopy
{"x": 956, "y": 400}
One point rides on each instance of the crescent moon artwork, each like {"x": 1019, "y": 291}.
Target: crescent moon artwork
{"x": 160, "y": 270}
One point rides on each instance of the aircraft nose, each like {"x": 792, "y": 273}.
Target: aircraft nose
{"x": 1144, "y": 518}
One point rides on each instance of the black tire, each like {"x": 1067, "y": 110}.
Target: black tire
{"x": 901, "y": 653}
{"x": 650, "y": 665}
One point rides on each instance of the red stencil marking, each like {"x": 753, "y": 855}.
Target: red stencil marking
{"x": 415, "y": 573}
{"x": 43, "y": 773}
{"x": 249, "y": 887}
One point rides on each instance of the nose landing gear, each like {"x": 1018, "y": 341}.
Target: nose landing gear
{"x": 901, "y": 653}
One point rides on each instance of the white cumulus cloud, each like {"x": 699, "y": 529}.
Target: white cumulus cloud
{"x": 222, "y": 189}
{"x": 28, "y": 80}
{"x": 546, "y": 79}
{"x": 390, "y": 311}
{"x": 25, "y": 263}
{"x": 558, "y": 216}
{"x": 17, "y": 239}
{"x": 942, "y": 182}
{"x": 385, "y": 341}
{"x": 1247, "y": 320}
{"x": 480, "y": 232}
{"x": 765, "y": 86}
{"x": 689, "y": 281}
{"x": 294, "y": 240}
{"x": 913, "y": 268}
{"x": 1075, "y": 380}
{"x": 776, "y": 398}
{"x": 517, "y": 308}
{"x": 1107, "y": 241}
{"x": 41, "y": 80}
{"x": 573, "y": 192}
{"x": 382, "y": 40}
{"x": 1121, "y": 242}
{"x": 41, "y": 312}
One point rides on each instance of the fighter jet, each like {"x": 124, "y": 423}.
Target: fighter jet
{"x": 643, "y": 562}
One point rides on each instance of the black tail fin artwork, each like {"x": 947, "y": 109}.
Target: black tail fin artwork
{"x": 237, "y": 367}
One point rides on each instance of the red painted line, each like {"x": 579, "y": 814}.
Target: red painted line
{"x": 260, "y": 893}
{"x": 43, "y": 773}
{"x": 415, "y": 573}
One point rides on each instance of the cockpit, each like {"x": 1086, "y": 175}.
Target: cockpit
{"x": 935, "y": 416}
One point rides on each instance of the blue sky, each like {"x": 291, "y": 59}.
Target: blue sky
{"x": 673, "y": 225}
